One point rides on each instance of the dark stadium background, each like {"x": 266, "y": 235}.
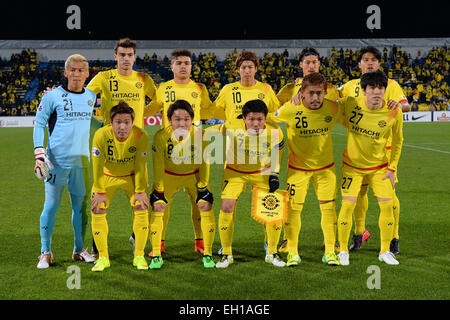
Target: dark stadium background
{"x": 211, "y": 20}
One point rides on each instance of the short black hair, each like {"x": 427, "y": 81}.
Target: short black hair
{"x": 254, "y": 106}
{"x": 180, "y": 104}
{"x": 181, "y": 53}
{"x": 308, "y": 52}
{"x": 375, "y": 78}
{"x": 121, "y": 108}
{"x": 369, "y": 49}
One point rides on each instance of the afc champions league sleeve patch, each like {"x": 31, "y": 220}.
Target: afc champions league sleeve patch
{"x": 95, "y": 152}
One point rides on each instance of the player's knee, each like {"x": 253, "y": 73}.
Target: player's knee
{"x": 228, "y": 205}
{"x": 99, "y": 211}
{"x": 204, "y": 206}
{"x": 159, "y": 206}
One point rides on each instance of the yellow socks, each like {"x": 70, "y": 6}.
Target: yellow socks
{"x": 386, "y": 224}
{"x": 208, "y": 225}
{"x": 328, "y": 224}
{"x": 292, "y": 229}
{"x": 396, "y": 209}
{"x": 156, "y": 227}
{"x": 140, "y": 229}
{"x": 362, "y": 204}
{"x": 345, "y": 223}
{"x": 100, "y": 233}
{"x": 273, "y": 236}
{"x": 226, "y": 229}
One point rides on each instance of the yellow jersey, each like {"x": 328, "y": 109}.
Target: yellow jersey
{"x": 112, "y": 157}
{"x": 367, "y": 135}
{"x": 253, "y": 154}
{"x": 233, "y": 96}
{"x": 168, "y": 92}
{"x": 291, "y": 89}
{"x": 309, "y": 134}
{"x": 114, "y": 88}
{"x": 179, "y": 157}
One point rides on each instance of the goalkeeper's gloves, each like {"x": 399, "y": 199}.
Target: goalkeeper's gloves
{"x": 157, "y": 196}
{"x": 204, "y": 194}
{"x": 42, "y": 165}
{"x": 274, "y": 183}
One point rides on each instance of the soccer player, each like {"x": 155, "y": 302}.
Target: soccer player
{"x": 309, "y": 63}
{"x": 368, "y": 61}
{"x": 119, "y": 160}
{"x": 181, "y": 87}
{"x": 229, "y": 102}
{"x": 309, "y": 128}
{"x": 123, "y": 84}
{"x": 178, "y": 162}
{"x": 257, "y": 163}
{"x": 67, "y": 110}
{"x": 369, "y": 124}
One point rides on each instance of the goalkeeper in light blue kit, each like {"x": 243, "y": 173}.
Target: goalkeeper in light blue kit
{"x": 67, "y": 110}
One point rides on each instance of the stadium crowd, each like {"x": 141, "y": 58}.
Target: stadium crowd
{"x": 424, "y": 79}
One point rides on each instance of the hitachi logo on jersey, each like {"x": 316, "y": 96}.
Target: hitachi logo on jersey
{"x": 121, "y": 95}
{"x": 314, "y": 131}
{"x": 370, "y": 133}
{"x": 77, "y": 114}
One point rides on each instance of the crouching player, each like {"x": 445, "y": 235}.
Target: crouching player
{"x": 254, "y": 151}
{"x": 119, "y": 153}
{"x": 178, "y": 162}
{"x": 369, "y": 124}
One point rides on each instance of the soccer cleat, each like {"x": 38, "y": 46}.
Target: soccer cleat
{"x": 293, "y": 260}
{"x": 199, "y": 246}
{"x": 140, "y": 263}
{"x": 331, "y": 259}
{"x": 344, "y": 258}
{"x": 208, "y": 261}
{"x": 358, "y": 240}
{"x": 225, "y": 261}
{"x": 163, "y": 249}
{"x": 45, "y": 259}
{"x": 219, "y": 252}
{"x": 266, "y": 247}
{"x": 156, "y": 263}
{"x": 388, "y": 257}
{"x": 283, "y": 246}
{"x": 132, "y": 242}
{"x": 83, "y": 256}
{"x": 101, "y": 264}
{"x": 394, "y": 246}
{"x": 275, "y": 259}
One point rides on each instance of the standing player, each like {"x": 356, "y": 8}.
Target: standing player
{"x": 309, "y": 128}
{"x": 67, "y": 110}
{"x": 257, "y": 163}
{"x": 368, "y": 61}
{"x": 123, "y": 83}
{"x": 369, "y": 125}
{"x": 178, "y": 162}
{"x": 119, "y": 162}
{"x": 229, "y": 102}
{"x": 181, "y": 87}
{"x": 309, "y": 63}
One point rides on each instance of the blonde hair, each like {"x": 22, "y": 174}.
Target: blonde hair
{"x": 76, "y": 58}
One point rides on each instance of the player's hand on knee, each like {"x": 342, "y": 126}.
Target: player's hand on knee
{"x": 141, "y": 201}
{"x": 42, "y": 164}
{"x": 96, "y": 203}
{"x": 391, "y": 176}
{"x": 205, "y": 195}
{"x": 274, "y": 183}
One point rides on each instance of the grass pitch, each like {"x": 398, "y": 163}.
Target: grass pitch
{"x": 423, "y": 272}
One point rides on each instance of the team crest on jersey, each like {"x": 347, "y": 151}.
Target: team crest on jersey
{"x": 132, "y": 149}
{"x": 261, "y": 96}
{"x": 382, "y": 123}
{"x": 194, "y": 95}
{"x": 328, "y": 118}
{"x": 270, "y": 202}
{"x": 139, "y": 85}
{"x": 95, "y": 152}
{"x": 90, "y": 103}
{"x": 110, "y": 141}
